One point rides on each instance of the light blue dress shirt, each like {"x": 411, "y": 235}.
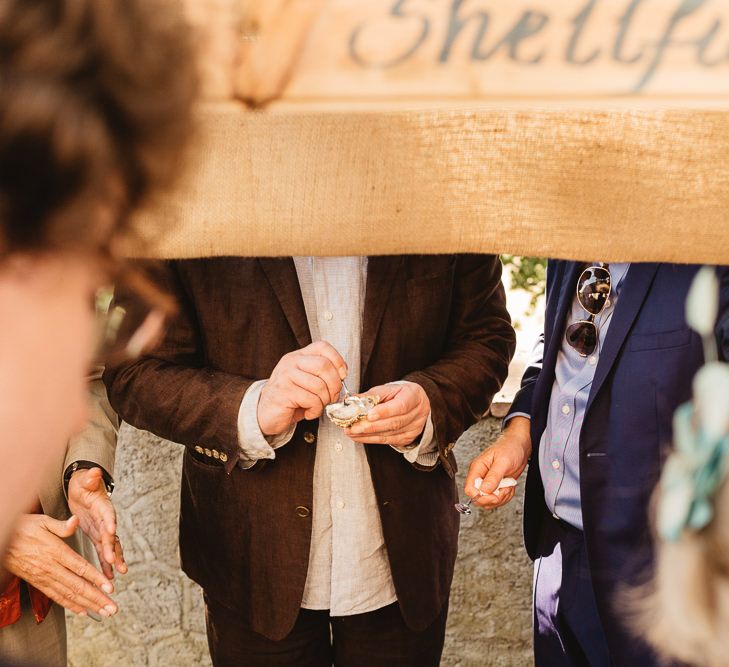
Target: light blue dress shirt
{"x": 559, "y": 449}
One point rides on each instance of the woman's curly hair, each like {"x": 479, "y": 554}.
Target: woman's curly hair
{"x": 95, "y": 105}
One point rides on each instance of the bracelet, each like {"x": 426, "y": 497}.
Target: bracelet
{"x": 87, "y": 465}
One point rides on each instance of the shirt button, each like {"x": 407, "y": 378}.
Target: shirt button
{"x": 565, "y": 409}
{"x": 592, "y": 360}
{"x": 338, "y": 446}
{"x": 340, "y": 504}
{"x": 328, "y": 315}
{"x": 555, "y": 464}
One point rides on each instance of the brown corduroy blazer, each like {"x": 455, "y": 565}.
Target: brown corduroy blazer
{"x": 440, "y": 321}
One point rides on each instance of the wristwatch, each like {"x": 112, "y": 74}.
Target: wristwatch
{"x": 87, "y": 465}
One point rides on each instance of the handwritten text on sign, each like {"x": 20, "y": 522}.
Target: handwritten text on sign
{"x": 481, "y": 49}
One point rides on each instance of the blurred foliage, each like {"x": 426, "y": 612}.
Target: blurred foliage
{"x": 528, "y": 274}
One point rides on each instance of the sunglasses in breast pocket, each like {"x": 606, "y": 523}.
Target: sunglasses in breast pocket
{"x": 593, "y": 293}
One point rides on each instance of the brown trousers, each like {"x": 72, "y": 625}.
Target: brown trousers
{"x": 376, "y": 639}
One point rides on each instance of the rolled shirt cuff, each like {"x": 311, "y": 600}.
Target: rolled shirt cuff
{"x": 253, "y": 444}
{"x": 425, "y": 452}
{"x": 511, "y": 416}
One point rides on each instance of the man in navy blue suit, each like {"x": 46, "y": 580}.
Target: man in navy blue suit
{"x": 594, "y": 417}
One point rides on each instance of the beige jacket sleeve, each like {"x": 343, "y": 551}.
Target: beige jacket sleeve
{"x": 96, "y": 443}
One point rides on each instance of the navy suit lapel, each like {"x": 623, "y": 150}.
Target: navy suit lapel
{"x": 558, "y": 305}
{"x": 281, "y": 274}
{"x": 636, "y": 286}
{"x": 556, "y": 323}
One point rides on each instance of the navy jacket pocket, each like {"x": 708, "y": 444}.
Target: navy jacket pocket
{"x": 660, "y": 340}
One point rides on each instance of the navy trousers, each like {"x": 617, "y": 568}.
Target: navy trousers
{"x": 567, "y": 627}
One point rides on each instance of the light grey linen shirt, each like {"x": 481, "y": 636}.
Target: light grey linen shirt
{"x": 559, "y": 449}
{"x": 349, "y": 572}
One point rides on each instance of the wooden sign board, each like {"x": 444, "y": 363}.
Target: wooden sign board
{"x": 343, "y": 53}
{"x": 428, "y": 126}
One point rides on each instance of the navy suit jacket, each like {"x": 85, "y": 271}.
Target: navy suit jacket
{"x": 645, "y": 371}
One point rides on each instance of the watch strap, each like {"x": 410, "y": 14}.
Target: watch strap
{"x": 87, "y": 465}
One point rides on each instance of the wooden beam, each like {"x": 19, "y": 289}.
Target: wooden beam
{"x": 537, "y": 51}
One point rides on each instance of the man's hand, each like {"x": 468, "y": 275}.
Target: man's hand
{"x": 398, "y": 420}
{"x": 507, "y": 457}
{"x": 37, "y": 554}
{"x": 301, "y": 386}
{"x": 88, "y": 500}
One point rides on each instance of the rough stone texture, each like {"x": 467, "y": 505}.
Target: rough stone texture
{"x": 490, "y": 614}
{"x": 162, "y": 621}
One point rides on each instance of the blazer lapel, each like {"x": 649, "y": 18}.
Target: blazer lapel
{"x": 381, "y": 274}
{"x": 281, "y": 274}
{"x": 564, "y": 305}
{"x": 554, "y": 327}
{"x": 635, "y": 289}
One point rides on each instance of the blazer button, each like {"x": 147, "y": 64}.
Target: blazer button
{"x": 208, "y": 452}
{"x": 198, "y": 449}
{"x": 302, "y": 511}
{"x": 309, "y": 438}
{"x": 216, "y": 454}
{"x": 223, "y": 457}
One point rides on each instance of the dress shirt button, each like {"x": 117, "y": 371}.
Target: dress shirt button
{"x": 328, "y": 315}
{"x": 592, "y": 360}
{"x": 340, "y": 504}
{"x": 338, "y": 446}
{"x": 555, "y": 464}
{"x": 566, "y": 409}
{"x": 309, "y": 438}
{"x": 198, "y": 449}
{"x": 302, "y": 511}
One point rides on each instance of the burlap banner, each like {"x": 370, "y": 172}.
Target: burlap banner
{"x": 614, "y": 185}
{"x": 538, "y": 127}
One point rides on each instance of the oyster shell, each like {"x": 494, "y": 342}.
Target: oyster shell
{"x": 351, "y": 410}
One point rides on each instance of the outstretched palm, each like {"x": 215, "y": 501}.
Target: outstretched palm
{"x": 88, "y": 500}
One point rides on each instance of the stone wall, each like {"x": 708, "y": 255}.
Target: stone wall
{"x": 161, "y": 618}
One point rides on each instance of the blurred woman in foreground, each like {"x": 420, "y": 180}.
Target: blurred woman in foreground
{"x": 95, "y": 106}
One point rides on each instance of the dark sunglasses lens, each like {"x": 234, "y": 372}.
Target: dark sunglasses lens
{"x": 582, "y": 336}
{"x": 593, "y": 289}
